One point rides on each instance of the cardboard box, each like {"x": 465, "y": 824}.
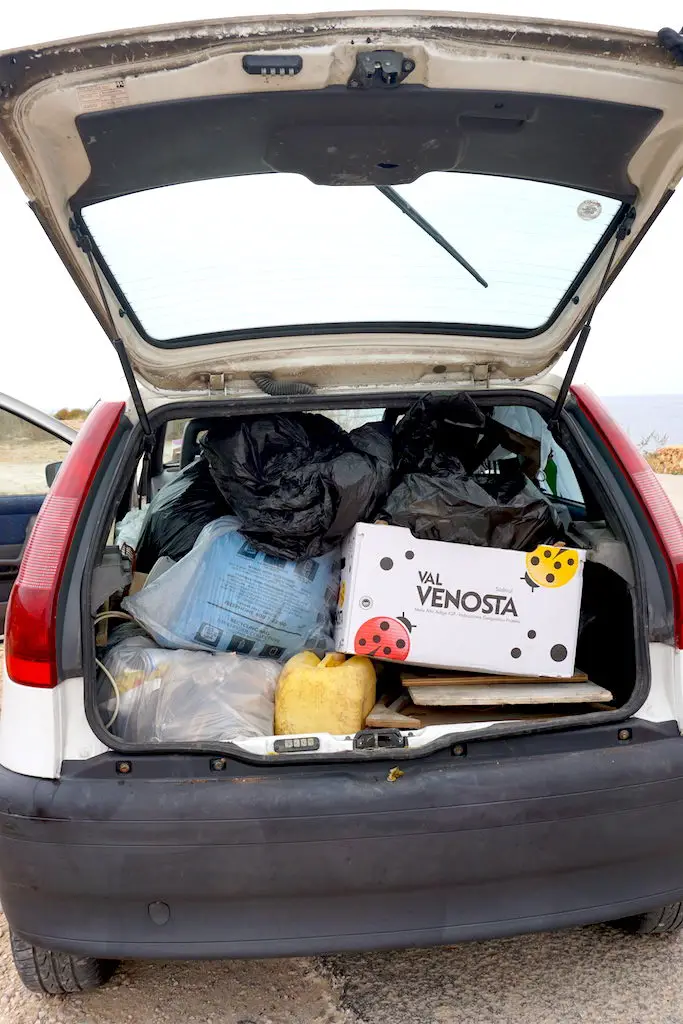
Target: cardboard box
{"x": 453, "y": 606}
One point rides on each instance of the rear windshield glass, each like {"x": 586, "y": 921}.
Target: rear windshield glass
{"x": 276, "y": 250}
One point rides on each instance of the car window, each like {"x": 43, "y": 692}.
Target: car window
{"x": 25, "y": 452}
{"x": 349, "y": 419}
{"x": 173, "y": 442}
{"x": 556, "y": 476}
{"x": 190, "y": 259}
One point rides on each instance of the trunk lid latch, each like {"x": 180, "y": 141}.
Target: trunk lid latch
{"x": 380, "y": 69}
{"x": 379, "y": 739}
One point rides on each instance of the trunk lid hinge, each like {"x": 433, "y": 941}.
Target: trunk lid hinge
{"x": 622, "y": 232}
{"x": 216, "y": 385}
{"x": 481, "y": 374}
{"x": 84, "y": 243}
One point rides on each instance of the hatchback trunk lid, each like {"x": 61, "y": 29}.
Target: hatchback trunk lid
{"x": 376, "y": 201}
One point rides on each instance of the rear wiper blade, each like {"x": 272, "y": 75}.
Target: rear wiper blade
{"x": 418, "y": 219}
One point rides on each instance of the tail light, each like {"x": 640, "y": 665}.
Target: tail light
{"x": 665, "y": 521}
{"x": 30, "y": 645}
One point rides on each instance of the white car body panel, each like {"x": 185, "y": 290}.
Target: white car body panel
{"x": 664, "y": 703}
{"x": 40, "y": 727}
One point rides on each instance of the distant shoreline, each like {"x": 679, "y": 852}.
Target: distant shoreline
{"x": 644, "y": 415}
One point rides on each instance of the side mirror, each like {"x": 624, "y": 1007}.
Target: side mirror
{"x": 51, "y": 471}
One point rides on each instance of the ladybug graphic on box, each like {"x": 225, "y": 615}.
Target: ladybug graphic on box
{"x": 384, "y": 637}
{"x": 551, "y": 567}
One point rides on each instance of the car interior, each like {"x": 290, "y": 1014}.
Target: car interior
{"x": 606, "y": 650}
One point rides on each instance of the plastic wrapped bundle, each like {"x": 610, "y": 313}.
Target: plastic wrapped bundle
{"x": 227, "y": 596}
{"x": 129, "y": 530}
{"x": 186, "y": 696}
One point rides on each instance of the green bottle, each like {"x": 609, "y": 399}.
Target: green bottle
{"x": 551, "y": 474}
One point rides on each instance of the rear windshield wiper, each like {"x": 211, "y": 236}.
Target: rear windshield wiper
{"x": 418, "y": 219}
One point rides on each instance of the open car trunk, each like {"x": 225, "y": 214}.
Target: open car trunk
{"x": 228, "y": 707}
{"x": 376, "y": 205}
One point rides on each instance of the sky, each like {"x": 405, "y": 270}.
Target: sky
{"x": 53, "y": 351}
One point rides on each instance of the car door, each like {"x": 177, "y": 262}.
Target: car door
{"x": 32, "y": 445}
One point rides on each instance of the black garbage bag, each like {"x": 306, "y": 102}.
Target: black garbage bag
{"x": 456, "y": 508}
{"x": 443, "y": 435}
{"x": 453, "y": 485}
{"x": 299, "y": 482}
{"x": 177, "y": 515}
{"x": 438, "y": 435}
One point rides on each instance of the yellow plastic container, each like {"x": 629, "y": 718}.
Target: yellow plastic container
{"x": 334, "y": 695}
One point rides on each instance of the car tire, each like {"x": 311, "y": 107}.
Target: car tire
{"x": 664, "y": 921}
{"x": 57, "y": 974}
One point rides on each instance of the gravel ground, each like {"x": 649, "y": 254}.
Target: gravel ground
{"x": 23, "y": 462}
{"x": 24, "y": 479}
{"x": 573, "y": 977}
{"x": 576, "y": 977}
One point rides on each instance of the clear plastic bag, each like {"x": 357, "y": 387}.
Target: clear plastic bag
{"x": 158, "y": 569}
{"x": 186, "y": 696}
{"x": 128, "y": 531}
{"x": 227, "y": 596}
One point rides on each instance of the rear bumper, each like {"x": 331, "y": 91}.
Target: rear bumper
{"x": 303, "y": 861}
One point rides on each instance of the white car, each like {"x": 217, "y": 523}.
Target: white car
{"x": 342, "y": 213}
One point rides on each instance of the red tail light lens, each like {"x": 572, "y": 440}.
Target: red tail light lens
{"x": 30, "y": 648}
{"x": 664, "y": 519}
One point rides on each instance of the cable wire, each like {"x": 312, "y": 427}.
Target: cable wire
{"x": 117, "y": 694}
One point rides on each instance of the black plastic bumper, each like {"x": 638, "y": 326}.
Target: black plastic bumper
{"x": 303, "y": 861}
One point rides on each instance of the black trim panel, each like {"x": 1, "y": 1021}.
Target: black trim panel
{"x": 385, "y": 136}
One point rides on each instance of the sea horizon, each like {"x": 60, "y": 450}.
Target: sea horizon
{"x": 657, "y": 417}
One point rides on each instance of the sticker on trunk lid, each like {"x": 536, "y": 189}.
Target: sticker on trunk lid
{"x": 102, "y": 95}
{"x": 589, "y": 209}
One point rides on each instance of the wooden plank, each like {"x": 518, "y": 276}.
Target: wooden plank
{"x": 388, "y": 716}
{"x": 494, "y": 694}
{"x": 468, "y": 715}
{"x": 479, "y": 679}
